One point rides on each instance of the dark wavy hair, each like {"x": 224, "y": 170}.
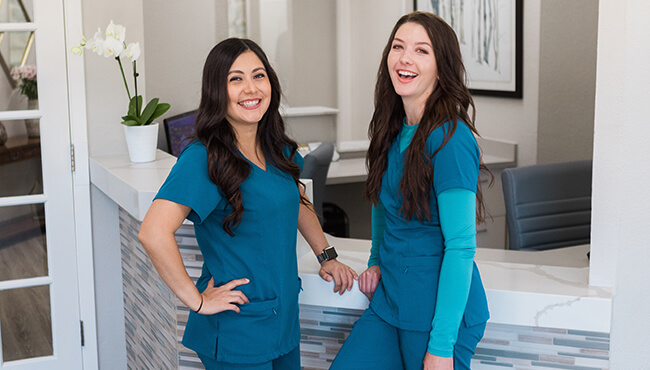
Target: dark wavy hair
{"x": 226, "y": 167}
{"x": 449, "y": 102}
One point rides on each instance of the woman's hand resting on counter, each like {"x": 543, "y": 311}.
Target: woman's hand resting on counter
{"x": 343, "y": 275}
{"x": 368, "y": 280}
{"x": 223, "y": 298}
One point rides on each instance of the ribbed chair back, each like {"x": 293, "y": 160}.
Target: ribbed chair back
{"x": 317, "y": 164}
{"x": 548, "y": 206}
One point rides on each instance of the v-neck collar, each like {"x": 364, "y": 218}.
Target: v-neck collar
{"x": 253, "y": 164}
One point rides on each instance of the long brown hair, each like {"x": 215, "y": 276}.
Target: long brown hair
{"x": 449, "y": 102}
{"x": 227, "y": 168}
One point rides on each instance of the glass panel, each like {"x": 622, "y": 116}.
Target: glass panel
{"x": 23, "y": 249}
{"x": 20, "y": 158}
{"x": 12, "y": 11}
{"x": 18, "y": 86}
{"x": 26, "y": 323}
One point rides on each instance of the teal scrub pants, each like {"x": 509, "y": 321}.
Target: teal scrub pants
{"x": 376, "y": 345}
{"x": 290, "y": 361}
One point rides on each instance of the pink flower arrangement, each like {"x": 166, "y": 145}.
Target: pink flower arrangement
{"x": 27, "y": 77}
{"x": 28, "y": 72}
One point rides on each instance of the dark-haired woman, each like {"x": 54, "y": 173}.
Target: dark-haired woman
{"x": 428, "y": 307}
{"x": 238, "y": 183}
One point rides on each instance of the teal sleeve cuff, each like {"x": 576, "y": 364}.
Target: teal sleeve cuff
{"x": 457, "y": 210}
{"x": 378, "y": 227}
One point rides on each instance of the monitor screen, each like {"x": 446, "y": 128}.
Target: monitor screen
{"x": 178, "y": 129}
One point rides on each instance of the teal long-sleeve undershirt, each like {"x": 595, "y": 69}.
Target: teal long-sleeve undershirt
{"x": 457, "y": 212}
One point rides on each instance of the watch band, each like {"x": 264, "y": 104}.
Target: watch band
{"x": 328, "y": 253}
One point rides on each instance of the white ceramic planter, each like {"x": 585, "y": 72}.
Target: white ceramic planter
{"x": 142, "y": 142}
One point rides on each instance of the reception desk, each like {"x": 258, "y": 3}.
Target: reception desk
{"x": 543, "y": 311}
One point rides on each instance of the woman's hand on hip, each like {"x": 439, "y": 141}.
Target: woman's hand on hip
{"x": 432, "y": 362}
{"x": 342, "y": 274}
{"x": 223, "y": 298}
{"x": 368, "y": 280}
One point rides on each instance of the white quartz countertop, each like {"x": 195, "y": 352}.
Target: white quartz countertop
{"x": 131, "y": 185}
{"x": 547, "y": 289}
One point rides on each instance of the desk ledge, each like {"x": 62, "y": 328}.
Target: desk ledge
{"x": 545, "y": 289}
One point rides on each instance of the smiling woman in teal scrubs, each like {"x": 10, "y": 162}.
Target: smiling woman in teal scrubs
{"x": 238, "y": 183}
{"x": 428, "y": 308}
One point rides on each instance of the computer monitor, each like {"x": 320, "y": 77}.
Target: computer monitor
{"x": 178, "y": 129}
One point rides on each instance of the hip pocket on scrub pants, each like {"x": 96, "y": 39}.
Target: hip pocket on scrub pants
{"x": 418, "y": 287}
{"x": 250, "y": 335}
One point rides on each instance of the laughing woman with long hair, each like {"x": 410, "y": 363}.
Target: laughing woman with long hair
{"x": 428, "y": 308}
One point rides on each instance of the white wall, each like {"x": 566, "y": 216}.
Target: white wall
{"x": 313, "y": 77}
{"x": 370, "y": 26}
{"x": 179, "y": 52}
{"x": 620, "y": 198}
{"x": 567, "y": 83}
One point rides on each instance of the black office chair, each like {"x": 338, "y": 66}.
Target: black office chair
{"x": 548, "y": 206}
{"x": 317, "y": 164}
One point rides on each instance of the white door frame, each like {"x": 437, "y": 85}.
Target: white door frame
{"x": 81, "y": 179}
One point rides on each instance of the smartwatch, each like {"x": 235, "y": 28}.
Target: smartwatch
{"x": 328, "y": 254}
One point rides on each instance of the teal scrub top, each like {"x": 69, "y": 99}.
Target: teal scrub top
{"x": 411, "y": 251}
{"x": 262, "y": 250}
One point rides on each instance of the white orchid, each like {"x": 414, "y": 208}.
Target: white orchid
{"x": 132, "y": 51}
{"x": 96, "y": 44}
{"x": 113, "y": 45}
{"x": 117, "y": 31}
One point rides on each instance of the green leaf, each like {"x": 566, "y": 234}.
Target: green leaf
{"x": 129, "y": 117}
{"x": 148, "y": 111}
{"x": 131, "y": 123}
{"x": 132, "y": 111}
{"x": 160, "y": 110}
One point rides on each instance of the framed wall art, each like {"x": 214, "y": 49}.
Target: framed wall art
{"x": 490, "y": 33}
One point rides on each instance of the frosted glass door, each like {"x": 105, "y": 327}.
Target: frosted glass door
{"x": 39, "y": 301}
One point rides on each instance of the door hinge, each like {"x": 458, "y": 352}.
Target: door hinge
{"x": 72, "y": 164}
{"x": 81, "y": 324}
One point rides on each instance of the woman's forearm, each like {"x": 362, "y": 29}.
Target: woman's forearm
{"x": 157, "y": 238}
{"x": 457, "y": 208}
{"x": 310, "y": 228}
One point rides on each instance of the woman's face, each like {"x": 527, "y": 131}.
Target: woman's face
{"x": 249, "y": 90}
{"x": 412, "y": 64}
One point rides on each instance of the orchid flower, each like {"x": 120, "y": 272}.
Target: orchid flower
{"x": 131, "y": 51}
{"x": 117, "y": 31}
{"x": 113, "y": 45}
{"x": 96, "y": 44}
